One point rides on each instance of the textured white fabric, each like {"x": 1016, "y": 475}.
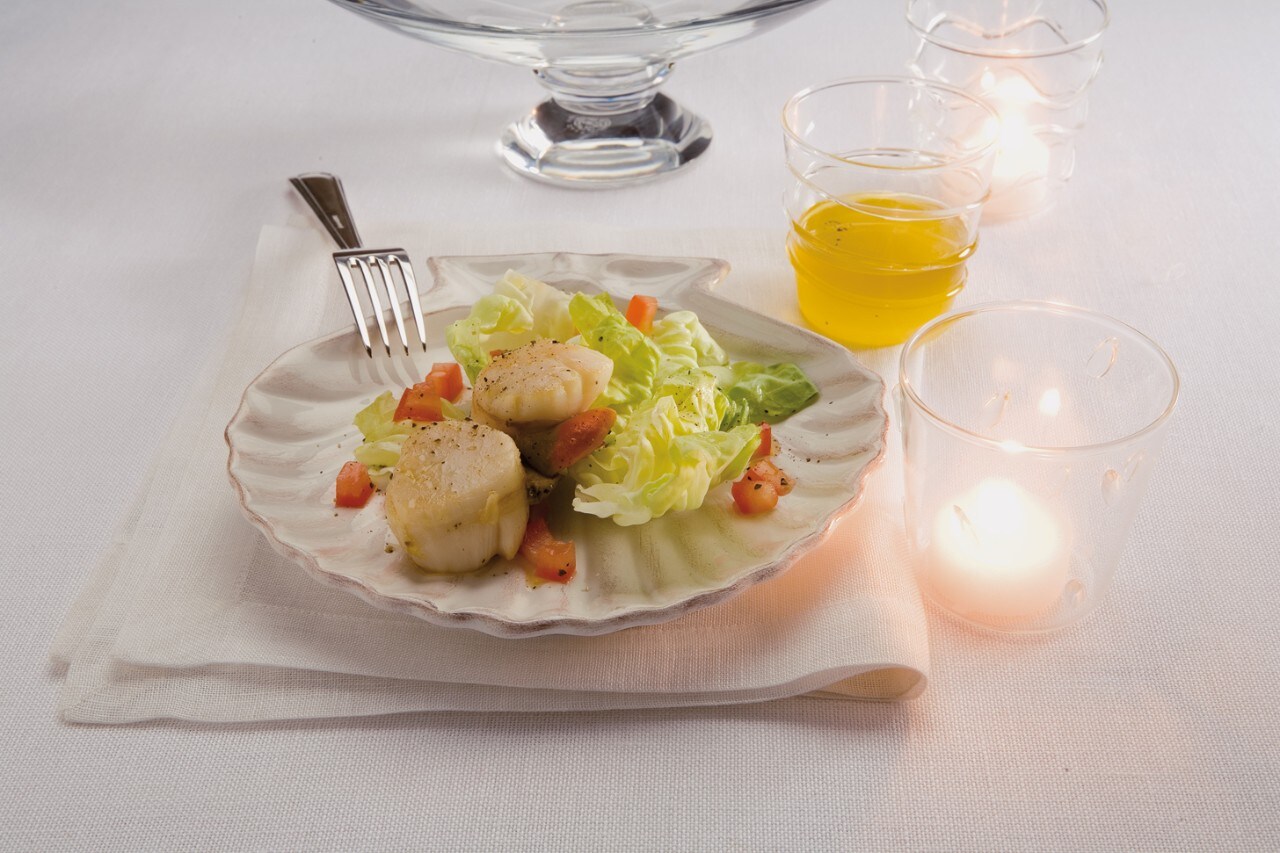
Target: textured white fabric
{"x": 198, "y": 592}
{"x": 143, "y": 146}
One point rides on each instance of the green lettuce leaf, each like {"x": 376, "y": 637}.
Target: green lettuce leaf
{"x": 658, "y": 465}
{"x": 383, "y": 436}
{"x": 636, "y": 358}
{"x": 700, "y": 405}
{"x": 375, "y": 420}
{"x": 452, "y": 411}
{"x": 549, "y": 306}
{"x": 682, "y": 338}
{"x": 758, "y": 393}
{"x": 384, "y": 453}
{"x": 519, "y": 311}
{"x": 687, "y": 418}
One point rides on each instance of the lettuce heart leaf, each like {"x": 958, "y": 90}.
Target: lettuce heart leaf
{"x": 383, "y": 436}
{"x": 376, "y": 420}
{"x": 636, "y": 358}
{"x": 519, "y": 311}
{"x": 658, "y": 465}
{"x": 682, "y": 338}
{"x": 759, "y": 393}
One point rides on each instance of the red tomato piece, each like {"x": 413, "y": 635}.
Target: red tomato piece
{"x": 759, "y": 489}
{"x": 753, "y": 497}
{"x": 766, "y": 443}
{"x": 641, "y": 311}
{"x": 419, "y": 403}
{"x": 764, "y": 471}
{"x": 580, "y": 436}
{"x": 550, "y": 559}
{"x": 354, "y": 486}
{"x": 446, "y": 379}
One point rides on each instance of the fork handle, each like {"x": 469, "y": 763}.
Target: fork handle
{"x": 323, "y": 194}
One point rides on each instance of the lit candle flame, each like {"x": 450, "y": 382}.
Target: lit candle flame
{"x": 1051, "y": 402}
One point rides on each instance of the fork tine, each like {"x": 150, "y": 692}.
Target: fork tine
{"x": 376, "y": 303}
{"x": 384, "y": 259}
{"x": 389, "y": 285}
{"x": 411, "y": 284}
{"x": 354, "y": 301}
{"x": 323, "y": 194}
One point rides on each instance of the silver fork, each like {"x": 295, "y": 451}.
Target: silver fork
{"x": 323, "y": 194}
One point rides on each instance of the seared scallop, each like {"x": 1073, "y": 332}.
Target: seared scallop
{"x": 458, "y": 496}
{"x": 538, "y": 385}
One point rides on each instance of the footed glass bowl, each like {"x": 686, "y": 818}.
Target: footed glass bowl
{"x": 605, "y": 123}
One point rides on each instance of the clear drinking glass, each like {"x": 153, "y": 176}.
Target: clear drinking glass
{"x": 1033, "y": 60}
{"x": 890, "y": 177}
{"x": 1030, "y": 431}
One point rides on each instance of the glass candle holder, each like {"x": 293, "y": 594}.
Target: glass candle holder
{"x": 1033, "y": 60}
{"x": 890, "y": 175}
{"x": 1030, "y": 431}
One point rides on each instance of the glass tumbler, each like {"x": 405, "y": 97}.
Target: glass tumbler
{"x": 1033, "y": 60}
{"x": 1030, "y": 431}
{"x": 889, "y": 179}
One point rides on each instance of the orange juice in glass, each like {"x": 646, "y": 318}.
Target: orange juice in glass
{"x": 889, "y": 179}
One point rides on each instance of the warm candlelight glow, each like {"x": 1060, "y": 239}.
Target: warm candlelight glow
{"x": 996, "y": 551}
{"x": 1022, "y": 155}
{"x": 1050, "y": 402}
{"x": 1008, "y": 89}
{"x": 1018, "y": 182}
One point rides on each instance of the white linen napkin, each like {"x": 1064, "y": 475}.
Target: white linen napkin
{"x": 191, "y": 614}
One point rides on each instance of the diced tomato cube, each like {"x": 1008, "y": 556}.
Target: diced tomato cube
{"x": 641, "y": 311}
{"x": 446, "y": 379}
{"x": 419, "y": 403}
{"x": 759, "y": 489}
{"x": 354, "y": 486}
{"x": 753, "y": 497}
{"x": 766, "y": 443}
{"x": 549, "y": 558}
{"x": 764, "y": 471}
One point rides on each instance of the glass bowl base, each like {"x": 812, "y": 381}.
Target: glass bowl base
{"x": 559, "y": 146}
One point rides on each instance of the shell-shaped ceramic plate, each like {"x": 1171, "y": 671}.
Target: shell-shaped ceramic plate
{"x": 293, "y": 431}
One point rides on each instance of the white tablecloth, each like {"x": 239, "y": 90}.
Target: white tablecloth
{"x": 143, "y": 145}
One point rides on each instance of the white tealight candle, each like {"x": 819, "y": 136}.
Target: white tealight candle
{"x": 997, "y": 552}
